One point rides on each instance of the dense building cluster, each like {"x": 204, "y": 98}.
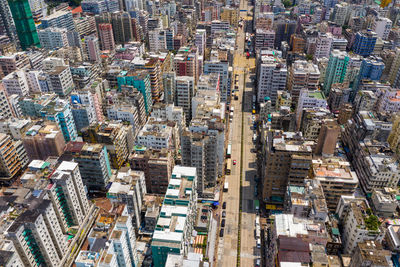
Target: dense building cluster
{"x": 125, "y": 131}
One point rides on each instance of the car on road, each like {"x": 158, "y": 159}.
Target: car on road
{"x": 224, "y": 205}
{"x": 221, "y": 233}
{"x": 223, "y": 214}
{"x": 223, "y": 223}
{"x": 258, "y": 262}
{"x": 234, "y": 162}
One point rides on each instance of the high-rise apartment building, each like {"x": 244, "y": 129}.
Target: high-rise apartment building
{"x": 25, "y": 26}
{"x": 288, "y": 160}
{"x": 129, "y": 188}
{"x": 272, "y": 74}
{"x": 53, "y": 38}
{"x": 140, "y": 79}
{"x": 60, "y": 19}
{"x": 371, "y": 69}
{"x": 336, "y": 177}
{"x": 117, "y": 137}
{"x": 186, "y": 62}
{"x": 328, "y": 136}
{"x": 264, "y": 39}
{"x": 106, "y": 36}
{"x": 43, "y": 141}
{"x": 201, "y": 41}
{"x": 323, "y": 45}
{"x": 341, "y": 68}
{"x": 184, "y": 92}
{"x": 60, "y": 113}
{"x": 302, "y": 74}
{"x": 10, "y": 163}
{"x": 222, "y": 68}
{"x": 308, "y": 99}
{"x": 7, "y": 26}
{"x": 178, "y": 213}
{"x": 100, "y": 6}
{"x": 5, "y": 106}
{"x": 364, "y": 43}
{"x": 91, "y": 48}
{"x": 60, "y": 80}
{"x": 16, "y": 83}
{"x": 202, "y": 144}
{"x": 382, "y": 27}
{"x": 69, "y": 193}
{"x": 94, "y": 164}
{"x": 13, "y": 62}
{"x": 157, "y": 166}
{"x": 157, "y": 40}
{"x": 340, "y": 13}
{"x": 37, "y": 235}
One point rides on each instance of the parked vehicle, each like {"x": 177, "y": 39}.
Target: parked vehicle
{"x": 224, "y": 205}
{"x": 221, "y": 233}
{"x": 223, "y": 214}
{"x": 223, "y": 223}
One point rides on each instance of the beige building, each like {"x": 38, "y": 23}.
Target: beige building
{"x": 288, "y": 159}
{"x": 157, "y": 166}
{"x": 336, "y": 178}
{"x": 42, "y": 141}
{"x": 10, "y": 163}
{"x": 302, "y": 74}
{"x": 231, "y": 15}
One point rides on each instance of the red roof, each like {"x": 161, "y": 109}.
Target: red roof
{"x": 77, "y": 10}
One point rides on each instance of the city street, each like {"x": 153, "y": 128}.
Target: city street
{"x": 227, "y": 248}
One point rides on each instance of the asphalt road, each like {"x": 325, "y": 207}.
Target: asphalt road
{"x": 227, "y": 246}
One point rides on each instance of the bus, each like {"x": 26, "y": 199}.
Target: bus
{"x": 226, "y": 185}
{"x": 228, "y": 167}
{"x": 257, "y": 205}
{"x": 229, "y": 151}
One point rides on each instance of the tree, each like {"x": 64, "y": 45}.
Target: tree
{"x": 287, "y": 3}
{"x": 309, "y": 57}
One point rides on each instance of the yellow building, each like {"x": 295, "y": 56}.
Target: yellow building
{"x": 394, "y": 136}
{"x": 231, "y": 15}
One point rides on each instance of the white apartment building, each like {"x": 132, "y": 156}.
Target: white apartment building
{"x": 272, "y": 73}
{"x": 5, "y": 107}
{"x": 16, "y": 83}
{"x": 9, "y": 254}
{"x": 323, "y": 45}
{"x": 69, "y": 193}
{"x": 32, "y": 77}
{"x": 265, "y": 39}
{"x": 184, "y": 92}
{"x": 37, "y": 235}
{"x": 60, "y": 80}
{"x": 221, "y": 67}
{"x": 379, "y": 171}
{"x": 389, "y": 100}
{"x": 129, "y": 188}
{"x": 157, "y": 40}
{"x": 124, "y": 113}
{"x": 355, "y": 228}
{"x": 120, "y": 243}
{"x": 382, "y": 26}
{"x": 53, "y": 38}
{"x": 340, "y": 13}
{"x": 124, "y": 223}
{"x": 309, "y": 100}
{"x": 200, "y": 40}
{"x": 156, "y": 136}
{"x": 169, "y": 112}
{"x": 50, "y": 63}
